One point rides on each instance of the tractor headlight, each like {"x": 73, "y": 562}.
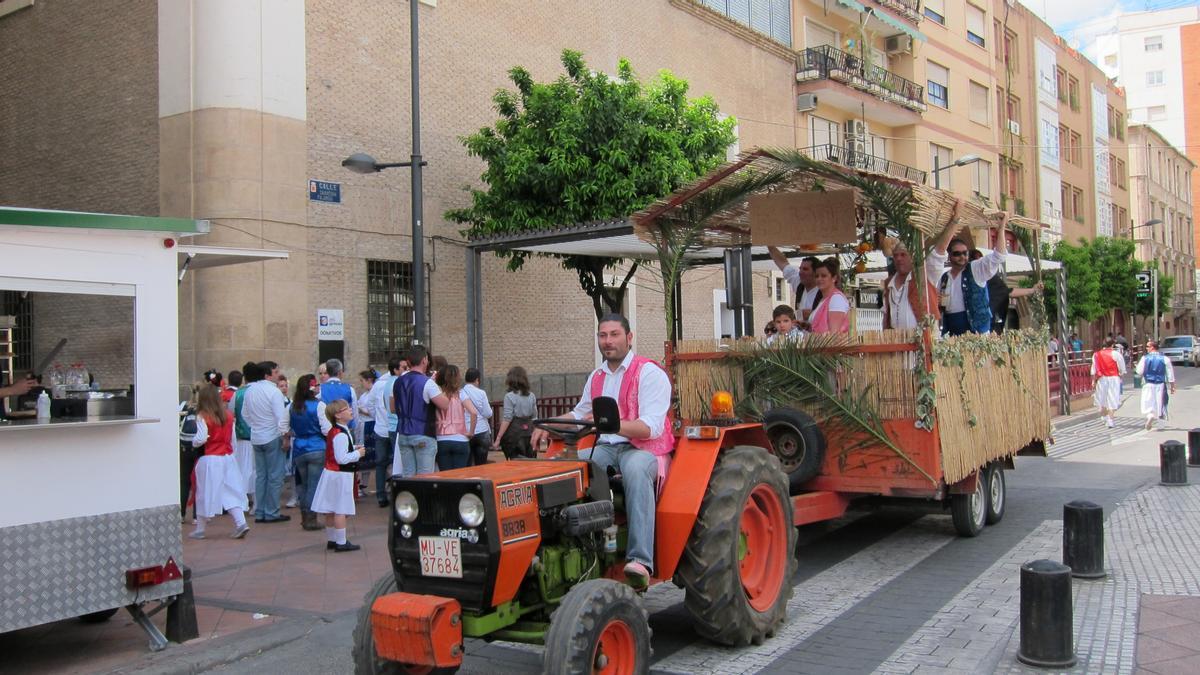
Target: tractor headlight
{"x": 470, "y": 510}
{"x": 406, "y": 507}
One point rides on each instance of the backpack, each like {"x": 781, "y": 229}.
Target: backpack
{"x": 187, "y": 427}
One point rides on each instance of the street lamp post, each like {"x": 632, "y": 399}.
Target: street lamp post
{"x": 938, "y": 168}
{"x": 364, "y": 163}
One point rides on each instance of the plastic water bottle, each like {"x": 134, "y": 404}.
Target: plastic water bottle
{"x": 610, "y": 539}
{"x": 43, "y": 406}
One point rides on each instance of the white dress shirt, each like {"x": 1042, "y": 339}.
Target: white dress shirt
{"x": 902, "y": 314}
{"x": 654, "y": 396}
{"x": 806, "y": 297}
{"x": 381, "y": 411}
{"x": 981, "y": 270}
{"x": 264, "y": 408}
{"x": 482, "y": 405}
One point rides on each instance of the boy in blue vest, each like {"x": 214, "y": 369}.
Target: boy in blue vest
{"x": 962, "y": 289}
{"x": 416, "y": 399}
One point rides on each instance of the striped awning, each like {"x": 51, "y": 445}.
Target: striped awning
{"x": 889, "y": 20}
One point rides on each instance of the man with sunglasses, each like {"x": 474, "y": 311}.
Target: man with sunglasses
{"x": 962, "y": 291}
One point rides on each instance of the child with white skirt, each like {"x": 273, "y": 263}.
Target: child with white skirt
{"x": 219, "y": 484}
{"x": 335, "y": 490}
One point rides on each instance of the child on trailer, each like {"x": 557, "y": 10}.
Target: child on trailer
{"x": 335, "y": 490}
{"x": 786, "y": 325}
{"x": 219, "y": 483}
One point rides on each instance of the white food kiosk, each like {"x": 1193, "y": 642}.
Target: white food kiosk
{"x": 89, "y": 498}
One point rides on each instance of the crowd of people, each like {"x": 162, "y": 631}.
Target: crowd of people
{"x": 244, "y": 434}
{"x": 1156, "y": 371}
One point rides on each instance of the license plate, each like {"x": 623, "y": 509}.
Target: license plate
{"x": 441, "y": 557}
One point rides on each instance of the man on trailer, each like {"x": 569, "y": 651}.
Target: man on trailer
{"x": 641, "y": 450}
{"x": 962, "y": 291}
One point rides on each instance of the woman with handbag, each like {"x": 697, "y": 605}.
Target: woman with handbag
{"x": 219, "y": 485}
{"x": 520, "y": 407}
{"x": 334, "y": 495}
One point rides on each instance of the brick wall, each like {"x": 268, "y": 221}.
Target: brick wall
{"x": 98, "y": 329}
{"x": 79, "y": 123}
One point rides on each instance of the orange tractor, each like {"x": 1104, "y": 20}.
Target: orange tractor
{"x": 532, "y": 551}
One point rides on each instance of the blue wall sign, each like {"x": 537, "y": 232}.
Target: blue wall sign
{"x": 324, "y": 191}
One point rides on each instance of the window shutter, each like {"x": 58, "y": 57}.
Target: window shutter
{"x": 937, "y": 73}
{"x": 739, "y": 10}
{"x": 979, "y": 103}
{"x": 975, "y": 20}
{"x": 938, "y": 6}
{"x": 760, "y": 16}
{"x": 781, "y": 21}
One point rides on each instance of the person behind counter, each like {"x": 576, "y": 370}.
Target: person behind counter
{"x": 18, "y": 388}
{"x": 218, "y": 482}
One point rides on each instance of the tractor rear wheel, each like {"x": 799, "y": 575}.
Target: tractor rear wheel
{"x": 797, "y": 442}
{"x": 738, "y": 565}
{"x": 366, "y": 659}
{"x": 600, "y": 627}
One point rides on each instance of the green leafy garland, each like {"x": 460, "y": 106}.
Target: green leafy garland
{"x": 978, "y": 350}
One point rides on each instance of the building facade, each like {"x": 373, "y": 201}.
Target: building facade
{"x": 1162, "y": 206}
{"x": 229, "y": 110}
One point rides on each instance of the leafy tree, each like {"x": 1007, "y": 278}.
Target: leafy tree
{"x": 588, "y": 147}
{"x": 1114, "y": 261}
{"x": 1083, "y": 283}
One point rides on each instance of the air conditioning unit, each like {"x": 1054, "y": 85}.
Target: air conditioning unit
{"x": 806, "y": 102}
{"x": 856, "y": 152}
{"x": 898, "y": 44}
{"x": 1014, "y": 127}
{"x": 856, "y": 128}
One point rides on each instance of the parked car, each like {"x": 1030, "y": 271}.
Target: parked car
{"x": 1181, "y": 349}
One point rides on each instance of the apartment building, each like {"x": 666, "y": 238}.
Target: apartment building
{"x": 1161, "y": 198}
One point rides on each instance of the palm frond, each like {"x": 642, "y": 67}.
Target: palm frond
{"x": 807, "y": 375}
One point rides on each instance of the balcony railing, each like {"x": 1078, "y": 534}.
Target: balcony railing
{"x": 829, "y": 63}
{"x": 860, "y": 160}
{"x": 909, "y": 9}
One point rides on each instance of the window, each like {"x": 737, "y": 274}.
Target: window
{"x": 1014, "y": 109}
{"x": 1121, "y": 175}
{"x": 19, "y": 305}
{"x": 1076, "y": 149}
{"x": 1010, "y": 51}
{"x": 976, "y": 20}
{"x": 1152, "y": 43}
{"x": 1049, "y": 142}
{"x": 1060, "y": 82}
{"x": 1156, "y": 113}
{"x": 1077, "y": 204}
{"x": 1120, "y": 125}
{"x": 772, "y": 18}
{"x": 936, "y": 10}
{"x": 942, "y": 157}
{"x": 1154, "y": 78}
{"x": 939, "y": 84}
{"x": 979, "y": 103}
{"x": 816, "y": 35}
{"x": 1073, "y": 92}
{"x": 823, "y": 132}
{"x": 981, "y": 178}
{"x": 1011, "y": 182}
{"x": 1122, "y": 218}
{"x": 1064, "y": 141}
{"x": 390, "y": 311}
{"x": 1064, "y": 196}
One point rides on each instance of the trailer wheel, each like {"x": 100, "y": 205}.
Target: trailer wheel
{"x": 738, "y": 565}
{"x": 366, "y": 660}
{"x": 600, "y": 627}
{"x": 969, "y": 511}
{"x": 997, "y": 487}
{"x": 99, "y": 617}
{"x": 797, "y": 442}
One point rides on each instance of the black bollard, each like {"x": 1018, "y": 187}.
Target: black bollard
{"x": 1194, "y": 447}
{"x": 1172, "y": 463}
{"x": 1047, "y": 640}
{"x": 181, "y": 614}
{"x": 1083, "y": 539}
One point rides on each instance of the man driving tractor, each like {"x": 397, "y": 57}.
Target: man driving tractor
{"x": 641, "y": 451}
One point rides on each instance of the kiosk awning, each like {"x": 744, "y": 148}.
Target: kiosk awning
{"x": 203, "y": 257}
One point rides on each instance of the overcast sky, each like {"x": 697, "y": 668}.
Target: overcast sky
{"x": 1080, "y": 21}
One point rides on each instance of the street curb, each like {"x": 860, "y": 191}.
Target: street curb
{"x": 198, "y": 656}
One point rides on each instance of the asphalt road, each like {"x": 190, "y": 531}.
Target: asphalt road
{"x": 905, "y": 565}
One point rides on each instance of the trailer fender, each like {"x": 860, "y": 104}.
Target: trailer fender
{"x": 965, "y": 486}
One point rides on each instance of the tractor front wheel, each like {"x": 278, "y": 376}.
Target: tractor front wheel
{"x": 737, "y": 567}
{"x": 600, "y": 627}
{"x": 366, "y": 659}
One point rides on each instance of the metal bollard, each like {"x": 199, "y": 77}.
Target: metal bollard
{"x": 1047, "y": 640}
{"x": 1083, "y": 539}
{"x": 1172, "y": 463}
{"x": 181, "y": 614}
{"x": 1194, "y": 447}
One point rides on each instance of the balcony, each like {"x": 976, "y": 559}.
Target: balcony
{"x": 824, "y": 63}
{"x": 1182, "y": 302}
{"x": 909, "y": 9}
{"x": 861, "y": 160}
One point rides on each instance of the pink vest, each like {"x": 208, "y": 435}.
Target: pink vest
{"x": 453, "y": 420}
{"x": 627, "y": 403}
{"x": 820, "y": 316}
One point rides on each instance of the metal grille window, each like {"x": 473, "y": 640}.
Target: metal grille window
{"x": 390, "y": 311}
{"x": 16, "y": 304}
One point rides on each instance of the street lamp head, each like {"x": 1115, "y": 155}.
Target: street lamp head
{"x": 966, "y": 159}
{"x": 360, "y": 162}
{"x": 1152, "y": 222}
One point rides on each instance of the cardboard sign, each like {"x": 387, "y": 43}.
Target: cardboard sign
{"x": 794, "y": 218}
